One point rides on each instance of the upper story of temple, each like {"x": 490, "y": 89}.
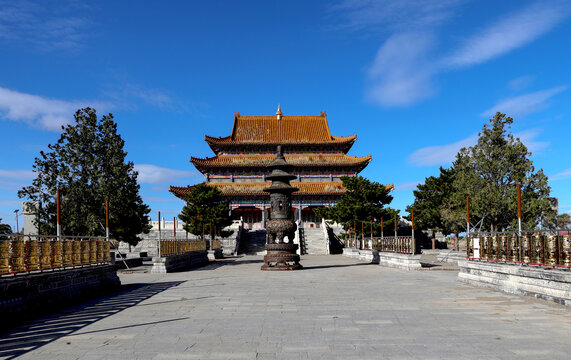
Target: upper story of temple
{"x": 317, "y": 156}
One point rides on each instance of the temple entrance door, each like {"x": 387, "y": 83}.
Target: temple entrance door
{"x": 252, "y": 217}
{"x": 309, "y": 219}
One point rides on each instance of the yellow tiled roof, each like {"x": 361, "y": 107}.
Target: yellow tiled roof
{"x": 287, "y": 130}
{"x": 293, "y": 159}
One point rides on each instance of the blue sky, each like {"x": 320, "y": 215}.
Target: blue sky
{"x": 415, "y": 80}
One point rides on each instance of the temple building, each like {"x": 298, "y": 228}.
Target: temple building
{"x": 239, "y": 169}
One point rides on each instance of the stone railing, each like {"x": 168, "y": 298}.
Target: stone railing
{"x": 537, "y": 248}
{"x": 170, "y": 247}
{"x": 32, "y": 253}
{"x": 399, "y": 244}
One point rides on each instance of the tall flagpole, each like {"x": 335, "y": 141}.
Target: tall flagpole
{"x": 413, "y": 239}
{"x": 107, "y": 220}
{"x": 159, "y": 241}
{"x": 519, "y": 208}
{"x": 58, "y": 226}
{"x": 468, "y": 220}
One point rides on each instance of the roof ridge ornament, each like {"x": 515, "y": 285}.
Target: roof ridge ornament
{"x": 279, "y": 112}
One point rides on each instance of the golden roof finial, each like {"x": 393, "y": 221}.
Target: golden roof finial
{"x": 279, "y": 112}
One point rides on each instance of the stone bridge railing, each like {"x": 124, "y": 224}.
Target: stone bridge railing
{"x": 27, "y": 254}
{"x": 534, "y": 248}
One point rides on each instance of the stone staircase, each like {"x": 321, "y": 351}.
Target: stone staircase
{"x": 313, "y": 241}
{"x": 253, "y": 243}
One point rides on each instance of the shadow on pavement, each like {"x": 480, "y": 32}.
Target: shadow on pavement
{"x": 227, "y": 262}
{"x": 42, "y": 331}
{"x": 333, "y": 266}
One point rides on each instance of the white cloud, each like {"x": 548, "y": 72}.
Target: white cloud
{"x": 566, "y": 174}
{"x": 403, "y": 15}
{"x": 38, "y": 111}
{"x": 510, "y": 33}
{"x": 403, "y": 71}
{"x": 400, "y": 74}
{"x": 45, "y": 27}
{"x": 407, "y": 186}
{"x": 153, "y": 174}
{"x": 17, "y": 174}
{"x": 446, "y": 154}
{"x": 525, "y": 104}
{"x": 521, "y": 82}
{"x": 527, "y": 137}
{"x": 440, "y": 154}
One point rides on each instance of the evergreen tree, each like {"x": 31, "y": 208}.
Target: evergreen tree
{"x": 564, "y": 221}
{"x": 430, "y": 200}
{"x": 205, "y": 211}
{"x": 88, "y": 165}
{"x": 4, "y": 229}
{"x": 363, "y": 201}
{"x": 488, "y": 173}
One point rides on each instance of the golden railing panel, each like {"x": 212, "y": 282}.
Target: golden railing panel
{"x": 57, "y": 253}
{"x": 106, "y": 251}
{"x": 84, "y": 252}
{"x": 92, "y": 251}
{"x": 67, "y": 260}
{"x": 565, "y": 250}
{"x": 45, "y": 255}
{"x": 551, "y": 253}
{"x": 100, "y": 254}
{"x": 76, "y": 252}
{"x": 33, "y": 256}
{"x": 4, "y": 257}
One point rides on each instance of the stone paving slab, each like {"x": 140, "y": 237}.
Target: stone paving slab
{"x": 336, "y": 308}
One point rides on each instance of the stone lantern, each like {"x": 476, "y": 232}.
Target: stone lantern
{"x": 281, "y": 255}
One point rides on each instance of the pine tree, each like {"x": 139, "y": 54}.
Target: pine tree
{"x": 489, "y": 172}
{"x": 205, "y": 211}
{"x": 88, "y": 165}
{"x": 4, "y": 229}
{"x": 363, "y": 201}
{"x": 430, "y": 201}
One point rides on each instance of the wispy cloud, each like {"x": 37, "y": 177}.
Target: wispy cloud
{"x": 446, "y": 154}
{"x": 17, "y": 174}
{"x": 520, "y": 82}
{"x": 525, "y": 104}
{"x": 400, "y": 74}
{"x": 404, "y": 68}
{"x": 528, "y": 138}
{"x": 403, "y": 15}
{"x": 48, "y": 26}
{"x": 565, "y": 174}
{"x": 440, "y": 154}
{"x": 407, "y": 185}
{"x": 153, "y": 174}
{"x": 38, "y": 111}
{"x": 510, "y": 32}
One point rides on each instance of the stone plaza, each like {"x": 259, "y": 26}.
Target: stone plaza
{"x": 335, "y": 308}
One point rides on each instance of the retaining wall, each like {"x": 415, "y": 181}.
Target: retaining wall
{"x": 24, "y": 296}
{"x": 172, "y": 263}
{"x": 399, "y": 261}
{"x": 545, "y": 283}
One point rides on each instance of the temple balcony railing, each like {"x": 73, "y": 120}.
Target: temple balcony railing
{"x": 170, "y": 247}
{"x": 540, "y": 248}
{"x": 29, "y": 254}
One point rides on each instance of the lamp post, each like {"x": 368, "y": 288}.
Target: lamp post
{"x": 17, "y": 226}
